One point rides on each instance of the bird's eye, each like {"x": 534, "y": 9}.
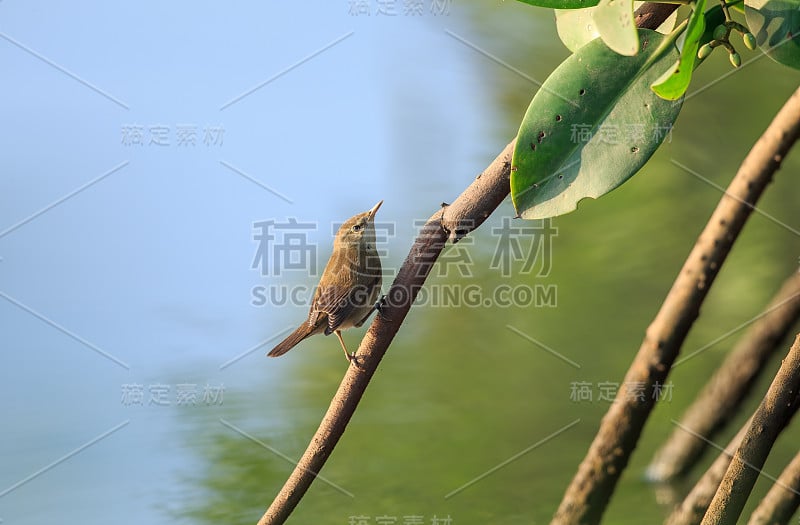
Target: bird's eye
{"x": 357, "y": 227}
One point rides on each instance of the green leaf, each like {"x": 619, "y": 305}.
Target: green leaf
{"x": 675, "y": 81}
{"x": 614, "y": 21}
{"x": 561, "y": 4}
{"x": 576, "y": 27}
{"x": 775, "y": 24}
{"x": 590, "y": 127}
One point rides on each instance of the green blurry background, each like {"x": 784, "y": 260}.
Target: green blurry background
{"x": 153, "y": 265}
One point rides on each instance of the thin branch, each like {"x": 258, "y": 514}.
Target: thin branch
{"x": 783, "y": 498}
{"x": 769, "y": 420}
{"x": 587, "y": 496}
{"x": 777, "y": 507}
{"x": 452, "y": 223}
{"x": 729, "y": 385}
{"x": 694, "y": 506}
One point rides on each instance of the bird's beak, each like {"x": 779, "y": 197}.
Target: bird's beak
{"x": 371, "y": 213}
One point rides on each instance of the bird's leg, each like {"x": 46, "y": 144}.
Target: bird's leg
{"x": 348, "y": 355}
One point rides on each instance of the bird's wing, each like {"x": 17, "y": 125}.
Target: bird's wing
{"x": 334, "y": 303}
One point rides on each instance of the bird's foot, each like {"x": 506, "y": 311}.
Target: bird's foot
{"x": 354, "y": 359}
{"x": 380, "y": 307}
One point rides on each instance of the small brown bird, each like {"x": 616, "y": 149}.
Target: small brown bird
{"x": 350, "y": 285}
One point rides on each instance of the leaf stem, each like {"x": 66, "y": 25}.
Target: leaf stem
{"x": 725, "y": 6}
{"x": 665, "y": 44}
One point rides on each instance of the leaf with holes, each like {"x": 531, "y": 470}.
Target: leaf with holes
{"x": 675, "y": 81}
{"x": 590, "y": 127}
{"x": 561, "y": 4}
{"x": 776, "y": 24}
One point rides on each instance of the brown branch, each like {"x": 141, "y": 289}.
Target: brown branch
{"x": 769, "y": 420}
{"x": 452, "y": 223}
{"x": 591, "y": 488}
{"x": 651, "y": 15}
{"x": 783, "y": 497}
{"x": 694, "y": 506}
{"x": 777, "y": 507}
{"x": 780, "y": 501}
{"x": 729, "y": 385}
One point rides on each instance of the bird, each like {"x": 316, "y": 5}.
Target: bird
{"x": 349, "y": 288}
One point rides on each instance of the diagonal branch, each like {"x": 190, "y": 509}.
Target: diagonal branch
{"x": 691, "y": 510}
{"x": 591, "y": 488}
{"x": 769, "y": 420}
{"x": 783, "y": 498}
{"x": 729, "y": 385}
{"x": 451, "y": 223}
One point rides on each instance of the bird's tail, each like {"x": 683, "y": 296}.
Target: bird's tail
{"x": 303, "y": 331}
